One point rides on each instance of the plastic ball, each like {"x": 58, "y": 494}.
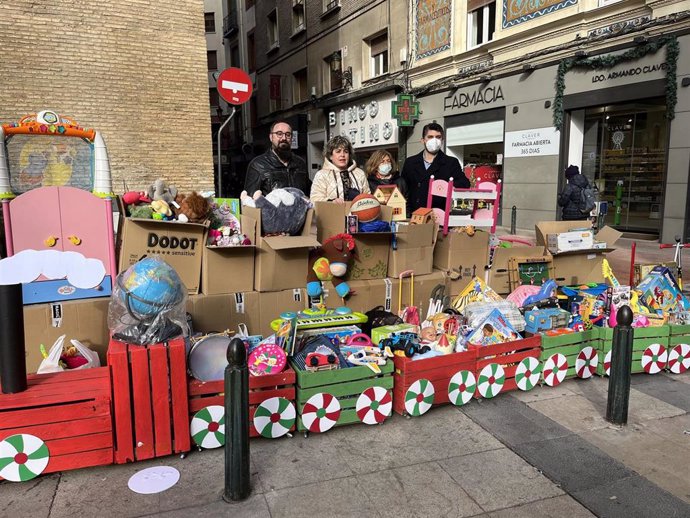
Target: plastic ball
{"x": 366, "y": 207}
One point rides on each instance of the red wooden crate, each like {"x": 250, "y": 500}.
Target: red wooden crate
{"x": 149, "y": 399}
{"x": 261, "y": 388}
{"x": 69, "y": 411}
{"x": 508, "y": 356}
{"x": 438, "y": 370}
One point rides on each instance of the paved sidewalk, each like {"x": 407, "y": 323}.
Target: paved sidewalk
{"x": 543, "y": 453}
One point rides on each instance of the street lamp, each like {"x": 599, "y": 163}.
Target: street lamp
{"x": 344, "y": 75}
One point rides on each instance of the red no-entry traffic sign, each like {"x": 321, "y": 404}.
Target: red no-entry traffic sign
{"x": 234, "y": 85}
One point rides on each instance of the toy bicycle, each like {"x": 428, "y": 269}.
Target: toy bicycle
{"x": 677, "y": 257}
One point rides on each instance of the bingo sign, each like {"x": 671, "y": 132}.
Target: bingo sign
{"x": 234, "y": 85}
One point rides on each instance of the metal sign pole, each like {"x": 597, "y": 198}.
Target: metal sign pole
{"x": 220, "y": 170}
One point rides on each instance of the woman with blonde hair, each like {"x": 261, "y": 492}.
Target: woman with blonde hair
{"x": 382, "y": 170}
{"x": 339, "y": 180}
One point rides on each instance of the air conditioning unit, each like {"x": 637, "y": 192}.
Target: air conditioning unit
{"x": 332, "y": 4}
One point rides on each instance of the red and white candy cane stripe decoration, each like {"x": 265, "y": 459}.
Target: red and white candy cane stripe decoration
{"x": 461, "y": 387}
{"x": 586, "y": 362}
{"x": 374, "y": 405}
{"x": 607, "y": 364}
{"x": 555, "y": 369}
{"x": 320, "y": 412}
{"x": 679, "y": 359}
{"x": 654, "y": 359}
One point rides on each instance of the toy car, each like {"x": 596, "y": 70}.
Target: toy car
{"x": 405, "y": 342}
{"x": 320, "y": 362}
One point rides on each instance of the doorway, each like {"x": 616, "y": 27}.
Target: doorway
{"x": 624, "y": 155}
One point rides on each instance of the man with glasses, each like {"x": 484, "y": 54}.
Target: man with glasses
{"x": 278, "y": 167}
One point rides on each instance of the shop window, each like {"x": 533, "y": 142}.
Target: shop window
{"x": 212, "y": 59}
{"x": 210, "y": 22}
{"x": 299, "y": 86}
{"x": 378, "y": 49}
{"x": 272, "y": 28}
{"x": 481, "y": 22}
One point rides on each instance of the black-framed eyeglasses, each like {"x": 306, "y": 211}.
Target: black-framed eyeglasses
{"x": 281, "y": 134}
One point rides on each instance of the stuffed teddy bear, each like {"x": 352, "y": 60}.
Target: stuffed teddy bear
{"x": 193, "y": 208}
{"x": 160, "y": 190}
{"x": 283, "y": 211}
{"x": 330, "y": 263}
{"x": 141, "y": 211}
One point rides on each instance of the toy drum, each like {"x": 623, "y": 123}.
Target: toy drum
{"x": 208, "y": 357}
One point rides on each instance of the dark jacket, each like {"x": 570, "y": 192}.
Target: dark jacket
{"x": 569, "y": 199}
{"x": 266, "y": 172}
{"x": 394, "y": 179}
{"x": 416, "y": 177}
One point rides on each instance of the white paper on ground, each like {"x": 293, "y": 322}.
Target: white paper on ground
{"x": 153, "y": 480}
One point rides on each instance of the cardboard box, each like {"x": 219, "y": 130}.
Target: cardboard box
{"x": 280, "y": 262}
{"x": 498, "y": 274}
{"x": 85, "y": 320}
{"x": 462, "y": 256}
{"x": 384, "y": 292}
{"x": 230, "y": 269}
{"x": 458, "y": 250}
{"x": 358, "y": 300}
{"x": 181, "y": 245}
{"x": 216, "y": 313}
{"x": 577, "y": 266}
{"x": 413, "y": 249}
{"x": 272, "y": 304}
{"x": 569, "y": 241}
{"x": 372, "y": 248}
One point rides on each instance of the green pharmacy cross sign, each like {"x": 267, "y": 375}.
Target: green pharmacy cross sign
{"x": 405, "y": 109}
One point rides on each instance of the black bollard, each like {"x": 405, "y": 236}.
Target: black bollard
{"x": 236, "y": 423}
{"x": 513, "y": 219}
{"x": 12, "y": 355}
{"x": 621, "y": 362}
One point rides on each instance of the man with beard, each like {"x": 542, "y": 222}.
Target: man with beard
{"x": 430, "y": 162}
{"x": 278, "y": 167}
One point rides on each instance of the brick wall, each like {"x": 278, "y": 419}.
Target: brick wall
{"x": 133, "y": 69}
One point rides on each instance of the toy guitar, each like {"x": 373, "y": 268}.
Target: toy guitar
{"x": 321, "y": 317}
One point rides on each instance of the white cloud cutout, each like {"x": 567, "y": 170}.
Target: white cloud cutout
{"x": 29, "y": 265}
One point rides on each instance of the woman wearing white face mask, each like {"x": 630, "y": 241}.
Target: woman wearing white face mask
{"x": 430, "y": 162}
{"x": 381, "y": 170}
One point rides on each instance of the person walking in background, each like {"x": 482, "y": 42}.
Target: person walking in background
{"x": 381, "y": 169}
{"x": 430, "y": 162}
{"x": 278, "y": 167}
{"x": 339, "y": 180}
{"x": 571, "y": 196}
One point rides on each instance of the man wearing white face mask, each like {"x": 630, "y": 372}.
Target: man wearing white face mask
{"x": 431, "y": 161}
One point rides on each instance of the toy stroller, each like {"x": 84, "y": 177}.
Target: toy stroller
{"x": 410, "y": 314}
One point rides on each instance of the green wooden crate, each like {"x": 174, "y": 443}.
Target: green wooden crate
{"x": 344, "y": 384}
{"x": 643, "y": 337}
{"x": 569, "y": 345}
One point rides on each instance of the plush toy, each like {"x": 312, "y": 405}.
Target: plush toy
{"x": 161, "y": 210}
{"x": 283, "y": 211}
{"x": 193, "y": 208}
{"x": 330, "y": 263}
{"x": 160, "y": 190}
{"x": 141, "y": 211}
{"x": 135, "y": 198}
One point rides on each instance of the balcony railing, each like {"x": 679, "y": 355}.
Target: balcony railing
{"x": 230, "y": 25}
